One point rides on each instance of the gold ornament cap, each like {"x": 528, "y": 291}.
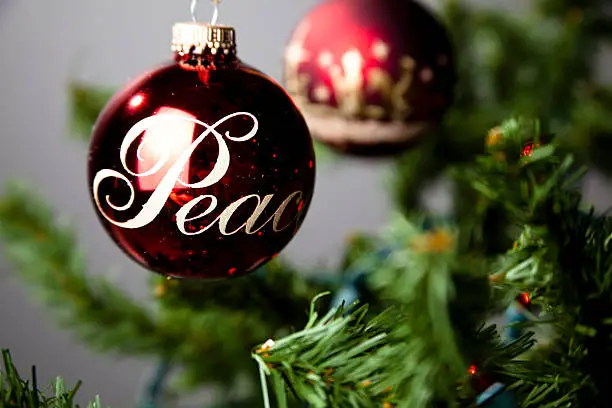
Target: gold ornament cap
{"x": 201, "y": 38}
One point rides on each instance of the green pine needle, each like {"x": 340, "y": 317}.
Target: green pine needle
{"x": 16, "y": 392}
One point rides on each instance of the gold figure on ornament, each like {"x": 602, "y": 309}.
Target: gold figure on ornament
{"x": 350, "y": 83}
{"x": 350, "y": 88}
{"x": 379, "y": 81}
{"x": 399, "y": 96}
{"x": 394, "y": 94}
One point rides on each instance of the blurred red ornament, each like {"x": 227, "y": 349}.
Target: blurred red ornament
{"x": 370, "y": 75}
{"x": 203, "y": 167}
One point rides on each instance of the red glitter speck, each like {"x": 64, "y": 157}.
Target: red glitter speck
{"x": 300, "y": 206}
{"x": 260, "y": 233}
{"x": 296, "y": 171}
{"x": 310, "y": 164}
{"x": 472, "y": 370}
{"x": 232, "y": 271}
{"x": 274, "y": 155}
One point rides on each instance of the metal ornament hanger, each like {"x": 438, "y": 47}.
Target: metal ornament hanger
{"x": 215, "y": 17}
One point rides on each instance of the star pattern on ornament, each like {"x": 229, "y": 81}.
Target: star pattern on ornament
{"x": 321, "y": 93}
{"x": 325, "y": 59}
{"x": 380, "y": 50}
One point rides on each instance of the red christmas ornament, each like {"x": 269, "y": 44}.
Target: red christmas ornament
{"x": 370, "y": 75}
{"x": 203, "y": 167}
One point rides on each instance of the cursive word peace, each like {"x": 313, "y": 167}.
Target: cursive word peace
{"x": 152, "y": 208}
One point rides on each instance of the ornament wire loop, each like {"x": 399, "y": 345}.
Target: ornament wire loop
{"x": 215, "y": 17}
{"x": 194, "y": 5}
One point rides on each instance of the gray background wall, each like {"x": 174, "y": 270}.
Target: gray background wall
{"x": 42, "y": 45}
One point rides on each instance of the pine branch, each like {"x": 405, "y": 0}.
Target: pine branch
{"x": 590, "y": 134}
{"x": 207, "y": 330}
{"x": 47, "y": 256}
{"x": 282, "y": 295}
{"x": 562, "y": 258}
{"x": 431, "y": 335}
{"x": 347, "y": 359}
{"x": 577, "y": 291}
{"x": 16, "y": 392}
{"x": 442, "y": 298}
{"x": 86, "y": 103}
{"x": 334, "y": 362}
{"x": 341, "y": 360}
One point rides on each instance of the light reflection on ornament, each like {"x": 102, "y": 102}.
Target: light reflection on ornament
{"x": 168, "y": 141}
{"x": 136, "y": 101}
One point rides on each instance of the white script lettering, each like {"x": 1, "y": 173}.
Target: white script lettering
{"x": 175, "y": 166}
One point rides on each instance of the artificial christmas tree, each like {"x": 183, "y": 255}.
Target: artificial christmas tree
{"x": 431, "y": 282}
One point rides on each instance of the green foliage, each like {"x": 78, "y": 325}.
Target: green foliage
{"x": 15, "y": 392}
{"x": 47, "y": 256}
{"x": 441, "y": 293}
{"x": 328, "y": 362}
{"x": 227, "y": 318}
{"x": 343, "y": 374}
{"x": 347, "y": 360}
{"x": 207, "y": 330}
{"x": 86, "y": 103}
{"x": 539, "y": 65}
{"x": 518, "y": 225}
